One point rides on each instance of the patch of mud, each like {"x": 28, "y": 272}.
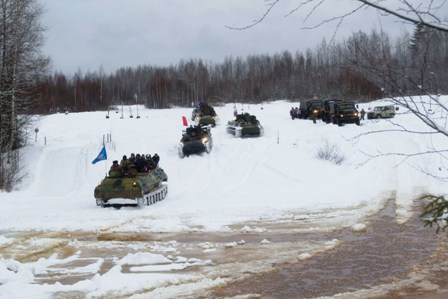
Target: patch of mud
{"x": 300, "y": 256}
{"x": 383, "y": 255}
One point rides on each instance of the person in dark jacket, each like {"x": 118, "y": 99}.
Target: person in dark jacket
{"x": 156, "y": 159}
{"x": 139, "y": 163}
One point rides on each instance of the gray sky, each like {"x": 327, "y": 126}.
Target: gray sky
{"x": 84, "y": 34}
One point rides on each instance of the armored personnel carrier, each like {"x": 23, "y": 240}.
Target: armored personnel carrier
{"x": 204, "y": 115}
{"x": 245, "y": 125}
{"x": 132, "y": 188}
{"x": 195, "y": 140}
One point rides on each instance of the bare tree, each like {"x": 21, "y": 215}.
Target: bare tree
{"x": 371, "y": 57}
{"x": 21, "y": 63}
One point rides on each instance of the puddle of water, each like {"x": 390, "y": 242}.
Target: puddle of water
{"x": 383, "y": 253}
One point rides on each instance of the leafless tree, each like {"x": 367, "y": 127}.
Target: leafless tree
{"x": 21, "y": 63}
{"x": 371, "y": 57}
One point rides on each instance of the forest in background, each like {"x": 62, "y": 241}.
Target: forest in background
{"x": 365, "y": 67}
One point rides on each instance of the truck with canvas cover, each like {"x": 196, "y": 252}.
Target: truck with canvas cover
{"x": 132, "y": 188}
{"x": 345, "y": 112}
{"x": 245, "y": 125}
{"x": 328, "y": 110}
{"x": 311, "y": 109}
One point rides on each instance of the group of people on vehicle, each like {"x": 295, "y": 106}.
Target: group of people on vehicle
{"x": 134, "y": 164}
{"x": 192, "y": 133}
{"x": 246, "y": 118}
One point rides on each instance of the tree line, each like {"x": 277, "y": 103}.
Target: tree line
{"x": 364, "y": 67}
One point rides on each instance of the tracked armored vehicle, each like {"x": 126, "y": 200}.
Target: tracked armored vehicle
{"x": 195, "y": 140}
{"x": 204, "y": 115}
{"x": 245, "y": 125}
{"x": 132, "y": 188}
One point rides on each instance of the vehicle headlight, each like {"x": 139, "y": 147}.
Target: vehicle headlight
{"x": 181, "y": 144}
{"x": 355, "y": 114}
{"x": 134, "y": 184}
{"x": 204, "y": 140}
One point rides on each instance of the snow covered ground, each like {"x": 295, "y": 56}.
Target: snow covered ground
{"x": 276, "y": 176}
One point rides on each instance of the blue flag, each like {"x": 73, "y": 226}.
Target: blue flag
{"x": 101, "y": 156}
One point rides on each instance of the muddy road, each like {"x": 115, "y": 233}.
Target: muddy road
{"x": 382, "y": 259}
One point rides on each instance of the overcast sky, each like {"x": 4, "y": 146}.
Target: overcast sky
{"x": 84, "y": 34}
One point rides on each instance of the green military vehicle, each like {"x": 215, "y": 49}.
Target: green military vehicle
{"x": 311, "y": 109}
{"x": 345, "y": 112}
{"x": 195, "y": 140}
{"x": 245, "y": 125}
{"x": 132, "y": 188}
{"x": 204, "y": 115}
{"x": 328, "y": 110}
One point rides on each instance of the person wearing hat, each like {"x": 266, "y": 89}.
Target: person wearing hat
{"x": 125, "y": 164}
{"x": 115, "y": 170}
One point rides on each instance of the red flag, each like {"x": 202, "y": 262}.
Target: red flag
{"x": 184, "y": 121}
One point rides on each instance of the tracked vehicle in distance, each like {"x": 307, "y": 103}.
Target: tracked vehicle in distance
{"x": 245, "y": 125}
{"x": 132, "y": 188}
{"x": 195, "y": 140}
{"x": 204, "y": 115}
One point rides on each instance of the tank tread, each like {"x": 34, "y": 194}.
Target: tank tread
{"x": 155, "y": 196}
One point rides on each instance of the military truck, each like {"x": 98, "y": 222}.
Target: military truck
{"x": 345, "y": 112}
{"x": 382, "y": 112}
{"x": 328, "y": 110}
{"x": 311, "y": 109}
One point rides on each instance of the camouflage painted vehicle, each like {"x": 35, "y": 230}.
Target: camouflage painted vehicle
{"x": 143, "y": 188}
{"x": 245, "y": 125}
{"x": 195, "y": 140}
{"x": 204, "y": 115}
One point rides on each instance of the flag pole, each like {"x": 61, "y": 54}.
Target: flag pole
{"x": 105, "y": 167}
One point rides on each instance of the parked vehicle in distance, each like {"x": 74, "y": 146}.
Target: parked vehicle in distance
{"x": 382, "y": 112}
{"x": 328, "y": 110}
{"x": 311, "y": 108}
{"x": 345, "y": 112}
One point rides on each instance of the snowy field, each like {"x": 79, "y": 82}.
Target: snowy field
{"x": 274, "y": 177}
